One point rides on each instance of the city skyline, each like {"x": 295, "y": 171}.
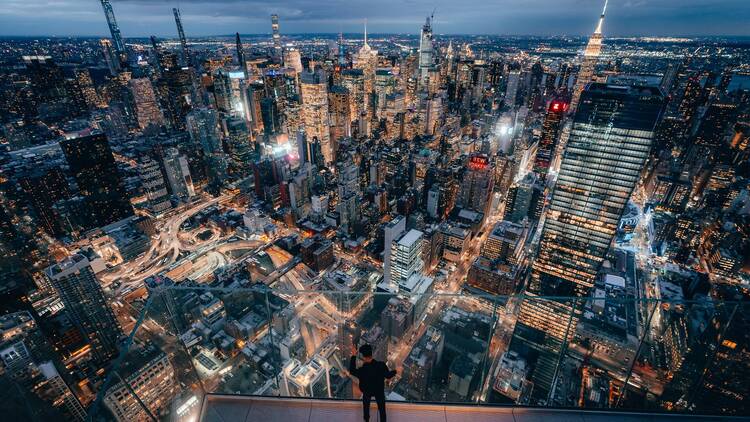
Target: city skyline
{"x": 512, "y": 17}
{"x": 512, "y": 222}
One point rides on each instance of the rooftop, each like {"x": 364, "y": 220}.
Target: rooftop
{"x": 410, "y": 237}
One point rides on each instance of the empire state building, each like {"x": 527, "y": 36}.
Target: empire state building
{"x": 590, "y": 58}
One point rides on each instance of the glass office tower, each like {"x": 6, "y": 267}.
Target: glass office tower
{"x": 608, "y": 147}
{"x": 93, "y": 166}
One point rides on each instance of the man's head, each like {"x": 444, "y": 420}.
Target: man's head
{"x": 366, "y": 351}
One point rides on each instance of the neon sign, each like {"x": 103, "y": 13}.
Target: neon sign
{"x": 558, "y": 106}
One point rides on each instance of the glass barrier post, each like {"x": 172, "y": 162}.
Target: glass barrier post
{"x": 489, "y": 358}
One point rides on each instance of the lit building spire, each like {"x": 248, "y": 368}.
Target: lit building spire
{"x": 342, "y": 53}
{"x": 426, "y": 47}
{"x": 241, "y": 54}
{"x": 365, "y": 31}
{"x": 601, "y": 19}
{"x": 590, "y": 58}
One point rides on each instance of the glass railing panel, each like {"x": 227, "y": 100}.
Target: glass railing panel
{"x": 442, "y": 356}
{"x": 533, "y": 358}
{"x": 599, "y": 356}
{"x": 723, "y": 386}
{"x": 502, "y": 383}
{"x": 308, "y": 346}
{"x": 601, "y": 352}
{"x": 155, "y": 377}
{"x": 680, "y": 349}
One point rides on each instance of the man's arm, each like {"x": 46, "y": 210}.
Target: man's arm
{"x": 388, "y": 373}
{"x": 353, "y": 366}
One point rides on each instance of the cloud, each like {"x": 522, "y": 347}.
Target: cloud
{"x": 206, "y": 17}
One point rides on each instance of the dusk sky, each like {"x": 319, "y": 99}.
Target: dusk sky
{"x": 534, "y": 17}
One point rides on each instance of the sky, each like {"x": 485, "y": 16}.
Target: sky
{"x": 138, "y": 18}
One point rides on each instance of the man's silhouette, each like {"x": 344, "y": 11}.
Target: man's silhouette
{"x": 372, "y": 375}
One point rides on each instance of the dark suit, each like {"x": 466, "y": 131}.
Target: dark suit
{"x": 372, "y": 378}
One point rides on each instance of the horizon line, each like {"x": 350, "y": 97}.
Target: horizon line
{"x": 269, "y": 35}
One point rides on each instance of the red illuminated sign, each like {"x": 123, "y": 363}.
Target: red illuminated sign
{"x": 558, "y": 106}
{"x": 478, "y": 162}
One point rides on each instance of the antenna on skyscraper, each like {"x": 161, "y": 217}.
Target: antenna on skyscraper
{"x": 601, "y": 19}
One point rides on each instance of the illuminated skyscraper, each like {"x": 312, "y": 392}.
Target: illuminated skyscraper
{"x": 276, "y": 36}
{"x": 181, "y": 33}
{"x": 550, "y": 133}
{"x": 590, "y": 58}
{"x": 151, "y": 383}
{"x": 94, "y": 168}
{"x": 85, "y": 86}
{"x": 608, "y": 146}
{"x": 314, "y": 87}
{"x": 406, "y": 256}
{"x": 511, "y": 89}
{"x": 477, "y": 184}
{"x": 311, "y": 379}
{"x": 391, "y": 232}
{"x": 110, "y": 56}
{"x": 339, "y": 103}
{"x": 177, "y": 93}
{"x": 293, "y": 59}
{"x": 146, "y": 106}
{"x": 426, "y": 59}
{"x": 232, "y": 89}
{"x": 342, "y": 50}
{"x": 44, "y": 187}
{"x": 367, "y": 60}
{"x": 354, "y": 81}
{"x": 154, "y": 187}
{"x": 113, "y": 28}
{"x": 241, "y": 54}
{"x": 178, "y": 174}
{"x": 84, "y": 300}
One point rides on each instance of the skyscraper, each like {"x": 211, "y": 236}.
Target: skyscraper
{"x": 146, "y": 106}
{"x": 314, "y": 87}
{"x": 44, "y": 187}
{"x": 293, "y": 59}
{"x": 80, "y": 291}
{"x": 85, "y": 86}
{"x": 477, "y": 184}
{"x": 342, "y": 51}
{"x": 276, "y": 36}
{"x": 178, "y": 174}
{"x": 110, "y": 56}
{"x": 608, "y": 146}
{"x": 590, "y": 58}
{"x": 156, "y": 53}
{"x": 406, "y": 256}
{"x": 426, "y": 59}
{"x": 154, "y": 187}
{"x": 391, "y": 231}
{"x": 177, "y": 92}
{"x": 241, "y": 54}
{"x": 113, "y": 28}
{"x": 339, "y": 102}
{"x": 150, "y": 376}
{"x": 94, "y": 168}
{"x": 511, "y": 89}
{"x": 367, "y": 60}
{"x": 181, "y": 33}
{"x": 354, "y": 81}
{"x": 550, "y": 133}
